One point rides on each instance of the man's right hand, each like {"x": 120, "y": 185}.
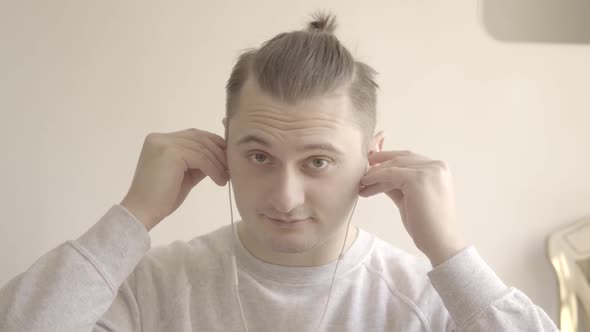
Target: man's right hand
{"x": 169, "y": 166}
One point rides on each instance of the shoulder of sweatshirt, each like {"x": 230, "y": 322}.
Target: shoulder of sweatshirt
{"x": 406, "y": 276}
{"x": 185, "y": 262}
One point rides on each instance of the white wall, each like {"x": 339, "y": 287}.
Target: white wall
{"x": 82, "y": 83}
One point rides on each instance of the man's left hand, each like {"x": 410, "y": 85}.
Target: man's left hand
{"x": 422, "y": 189}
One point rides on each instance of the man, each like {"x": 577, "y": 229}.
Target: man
{"x": 299, "y": 149}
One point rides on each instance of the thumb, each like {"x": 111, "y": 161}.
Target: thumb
{"x": 397, "y": 196}
{"x": 195, "y": 176}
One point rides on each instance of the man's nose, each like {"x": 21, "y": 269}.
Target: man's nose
{"x": 288, "y": 191}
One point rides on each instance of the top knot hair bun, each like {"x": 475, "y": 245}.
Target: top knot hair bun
{"x": 322, "y": 22}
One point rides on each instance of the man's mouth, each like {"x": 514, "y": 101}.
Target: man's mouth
{"x": 285, "y": 221}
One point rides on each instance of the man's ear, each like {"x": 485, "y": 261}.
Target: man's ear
{"x": 377, "y": 142}
{"x": 224, "y": 121}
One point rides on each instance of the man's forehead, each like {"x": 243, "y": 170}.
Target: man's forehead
{"x": 318, "y": 144}
{"x": 324, "y": 122}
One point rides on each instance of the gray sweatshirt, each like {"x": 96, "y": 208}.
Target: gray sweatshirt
{"x": 109, "y": 280}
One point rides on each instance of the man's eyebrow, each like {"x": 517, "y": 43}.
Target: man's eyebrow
{"x": 254, "y": 139}
{"x": 322, "y": 146}
{"x": 315, "y": 146}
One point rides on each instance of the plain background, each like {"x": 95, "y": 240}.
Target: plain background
{"x": 82, "y": 83}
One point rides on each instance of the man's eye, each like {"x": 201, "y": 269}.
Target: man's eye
{"x": 258, "y": 157}
{"x": 318, "y": 163}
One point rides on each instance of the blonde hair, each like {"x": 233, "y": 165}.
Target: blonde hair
{"x": 297, "y": 65}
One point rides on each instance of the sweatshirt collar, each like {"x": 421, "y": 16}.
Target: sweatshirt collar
{"x": 353, "y": 257}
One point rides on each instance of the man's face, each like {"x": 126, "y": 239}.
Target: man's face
{"x": 295, "y": 169}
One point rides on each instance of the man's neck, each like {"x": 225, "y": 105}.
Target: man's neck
{"x": 325, "y": 253}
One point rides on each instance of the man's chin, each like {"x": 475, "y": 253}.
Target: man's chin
{"x": 293, "y": 243}
{"x": 289, "y": 249}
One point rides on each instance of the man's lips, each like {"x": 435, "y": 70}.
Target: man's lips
{"x": 287, "y": 221}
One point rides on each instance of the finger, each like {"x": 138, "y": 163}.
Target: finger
{"x": 205, "y": 145}
{"x": 200, "y": 148}
{"x": 375, "y": 189}
{"x": 220, "y": 152}
{"x": 203, "y": 163}
{"x": 401, "y": 164}
{"x": 220, "y": 141}
{"x": 383, "y": 156}
{"x": 211, "y": 140}
{"x": 415, "y": 165}
{"x": 396, "y": 176}
{"x": 196, "y": 134}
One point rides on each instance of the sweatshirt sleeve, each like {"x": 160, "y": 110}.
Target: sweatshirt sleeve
{"x": 478, "y": 300}
{"x": 70, "y": 287}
